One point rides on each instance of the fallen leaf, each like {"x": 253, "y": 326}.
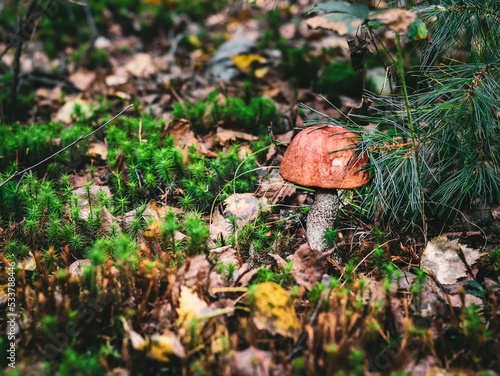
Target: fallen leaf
{"x": 65, "y": 113}
{"x": 245, "y": 62}
{"x": 158, "y": 211}
{"x": 158, "y": 346}
{"x": 397, "y": 20}
{"x": 252, "y": 362}
{"x": 223, "y": 136}
{"x": 309, "y": 266}
{"x": 78, "y": 267}
{"x": 441, "y": 257}
{"x": 227, "y": 255}
{"x": 244, "y": 275}
{"x": 82, "y": 79}
{"x": 141, "y": 65}
{"x": 245, "y": 207}
{"x": 98, "y": 150}
{"x": 190, "y": 308}
{"x": 279, "y": 260}
{"x": 272, "y": 309}
{"x": 29, "y": 264}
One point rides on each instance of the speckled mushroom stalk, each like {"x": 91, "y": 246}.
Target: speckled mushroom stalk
{"x": 322, "y": 157}
{"x": 321, "y": 217}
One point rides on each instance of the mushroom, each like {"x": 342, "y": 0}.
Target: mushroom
{"x": 320, "y": 157}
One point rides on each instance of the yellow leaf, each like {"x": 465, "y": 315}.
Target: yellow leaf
{"x": 245, "y": 61}
{"x": 190, "y": 308}
{"x": 194, "y": 41}
{"x": 161, "y": 346}
{"x": 261, "y": 72}
{"x": 273, "y": 310}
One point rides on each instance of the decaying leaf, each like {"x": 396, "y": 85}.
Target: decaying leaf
{"x": 340, "y": 16}
{"x": 78, "y": 267}
{"x": 273, "y": 310}
{"x": 442, "y": 258}
{"x": 157, "y": 211}
{"x": 158, "y": 346}
{"x": 163, "y": 345}
{"x": 98, "y": 151}
{"x": 245, "y": 207}
{"x": 227, "y": 255}
{"x": 65, "y": 113}
{"x": 252, "y": 362}
{"x": 190, "y": 308}
{"x": 279, "y": 260}
{"x": 397, "y": 20}
{"x": 309, "y": 266}
{"x": 140, "y": 65}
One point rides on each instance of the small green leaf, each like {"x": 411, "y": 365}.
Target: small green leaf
{"x": 417, "y": 30}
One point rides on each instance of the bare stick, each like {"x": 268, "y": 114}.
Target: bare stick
{"x": 17, "y": 173}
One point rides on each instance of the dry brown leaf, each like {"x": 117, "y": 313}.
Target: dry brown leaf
{"x": 322, "y": 23}
{"x": 65, "y": 113}
{"x": 252, "y": 362}
{"x": 245, "y": 207}
{"x": 273, "y": 310}
{"x": 309, "y": 266}
{"x": 227, "y": 255}
{"x": 140, "y": 65}
{"x": 223, "y": 136}
{"x": 158, "y": 346}
{"x": 244, "y": 275}
{"x": 397, "y": 20}
{"x": 82, "y": 79}
{"x": 193, "y": 271}
{"x": 78, "y": 267}
{"x": 158, "y": 211}
{"x": 219, "y": 226}
{"x": 279, "y": 260}
{"x": 441, "y": 257}
{"x": 98, "y": 150}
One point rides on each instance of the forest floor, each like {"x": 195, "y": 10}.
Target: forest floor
{"x": 167, "y": 242}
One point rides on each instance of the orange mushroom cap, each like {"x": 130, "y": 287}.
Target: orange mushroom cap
{"x": 308, "y": 160}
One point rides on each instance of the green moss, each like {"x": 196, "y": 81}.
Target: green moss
{"x": 298, "y": 66}
{"x": 340, "y": 79}
{"x": 252, "y": 116}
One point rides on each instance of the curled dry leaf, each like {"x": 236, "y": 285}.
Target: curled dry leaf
{"x": 273, "y": 310}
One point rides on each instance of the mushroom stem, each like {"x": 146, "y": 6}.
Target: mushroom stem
{"x": 321, "y": 217}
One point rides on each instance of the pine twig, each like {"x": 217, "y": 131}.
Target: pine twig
{"x": 17, "y": 173}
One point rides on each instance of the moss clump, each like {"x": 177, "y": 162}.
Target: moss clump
{"x": 198, "y": 9}
{"x": 340, "y": 79}
{"x": 298, "y": 65}
{"x": 253, "y": 116}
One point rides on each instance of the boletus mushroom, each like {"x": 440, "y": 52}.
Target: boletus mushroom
{"x": 323, "y": 157}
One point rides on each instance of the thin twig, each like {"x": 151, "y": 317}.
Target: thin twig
{"x": 17, "y": 173}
